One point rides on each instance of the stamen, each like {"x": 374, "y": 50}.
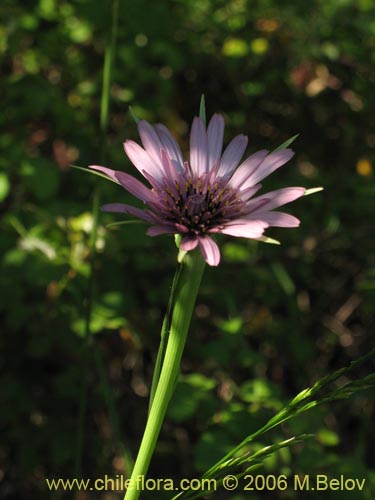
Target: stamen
{"x": 195, "y": 203}
{"x": 198, "y": 203}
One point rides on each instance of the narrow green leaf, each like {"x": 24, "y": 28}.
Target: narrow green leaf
{"x": 304, "y": 401}
{"x": 313, "y": 190}
{"x": 202, "y": 109}
{"x": 134, "y": 116}
{"x": 94, "y": 172}
{"x": 124, "y": 222}
{"x": 243, "y": 464}
{"x": 300, "y": 396}
{"x": 266, "y": 239}
{"x": 287, "y": 143}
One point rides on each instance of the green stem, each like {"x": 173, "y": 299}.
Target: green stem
{"x": 186, "y": 293}
{"x": 107, "y": 75}
{"x": 164, "y": 335}
{"x": 89, "y": 347}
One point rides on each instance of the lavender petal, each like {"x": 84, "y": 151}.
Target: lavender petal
{"x": 198, "y": 147}
{"x": 189, "y": 243}
{"x": 135, "y": 187}
{"x": 275, "y": 199}
{"x": 150, "y": 140}
{"x": 142, "y": 160}
{"x": 232, "y": 156}
{"x": 215, "y": 134}
{"x": 244, "y": 228}
{"x": 171, "y": 146}
{"x": 240, "y": 178}
{"x": 279, "y": 219}
{"x": 270, "y": 164}
{"x": 128, "y": 209}
{"x": 210, "y": 250}
{"x": 107, "y": 171}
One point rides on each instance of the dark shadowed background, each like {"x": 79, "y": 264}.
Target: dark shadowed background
{"x": 268, "y": 322}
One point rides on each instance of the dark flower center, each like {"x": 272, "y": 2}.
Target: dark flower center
{"x": 202, "y": 204}
{"x": 195, "y": 204}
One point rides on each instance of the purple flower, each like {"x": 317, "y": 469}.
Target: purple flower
{"x": 211, "y": 193}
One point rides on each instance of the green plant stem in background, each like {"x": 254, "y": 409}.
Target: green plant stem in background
{"x": 186, "y": 292}
{"x": 90, "y": 348}
{"x": 107, "y": 74}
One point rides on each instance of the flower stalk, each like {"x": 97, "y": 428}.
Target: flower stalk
{"x": 186, "y": 292}
{"x": 164, "y": 334}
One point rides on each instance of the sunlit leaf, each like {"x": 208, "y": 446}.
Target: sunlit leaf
{"x": 313, "y": 190}
{"x": 287, "y": 143}
{"x": 266, "y": 239}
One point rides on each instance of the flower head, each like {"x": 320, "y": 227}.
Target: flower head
{"x": 211, "y": 193}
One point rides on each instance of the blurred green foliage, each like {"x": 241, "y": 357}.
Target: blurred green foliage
{"x": 269, "y": 321}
